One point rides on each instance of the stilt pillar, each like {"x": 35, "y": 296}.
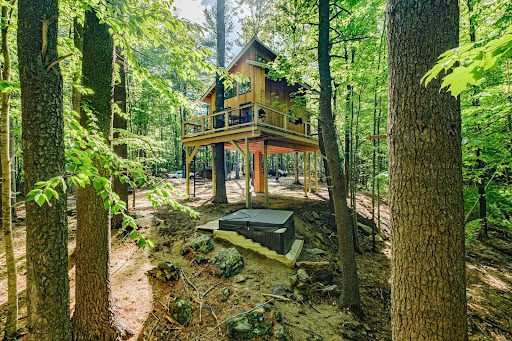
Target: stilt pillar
{"x": 259, "y": 179}
{"x": 265, "y": 170}
{"x": 213, "y": 170}
{"x": 305, "y": 175}
{"x": 247, "y": 174}
{"x": 316, "y": 172}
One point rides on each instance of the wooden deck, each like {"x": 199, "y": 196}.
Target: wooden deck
{"x": 282, "y": 132}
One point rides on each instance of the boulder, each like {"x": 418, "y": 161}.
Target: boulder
{"x": 316, "y": 252}
{"x": 181, "y": 311}
{"x": 202, "y": 244}
{"x": 249, "y": 326}
{"x": 303, "y": 276}
{"x": 229, "y": 262}
{"x": 165, "y": 271}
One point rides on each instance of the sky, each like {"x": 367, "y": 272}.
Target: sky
{"x": 192, "y": 9}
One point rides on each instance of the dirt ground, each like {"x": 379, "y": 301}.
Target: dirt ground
{"x": 142, "y": 302}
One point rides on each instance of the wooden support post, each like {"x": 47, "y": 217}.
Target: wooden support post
{"x": 310, "y": 187}
{"x": 305, "y": 175}
{"x": 247, "y": 174}
{"x": 258, "y": 173}
{"x": 265, "y": 169}
{"x": 187, "y": 171}
{"x": 316, "y": 172}
{"x": 213, "y": 171}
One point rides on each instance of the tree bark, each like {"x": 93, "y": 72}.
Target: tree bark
{"x": 11, "y": 321}
{"x": 296, "y": 168}
{"x": 350, "y": 283}
{"x": 94, "y": 317}
{"x": 43, "y": 155}
{"x": 425, "y": 176}
{"x": 220, "y": 195}
{"x": 120, "y": 122}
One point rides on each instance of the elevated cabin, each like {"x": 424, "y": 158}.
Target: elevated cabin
{"x": 261, "y": 116}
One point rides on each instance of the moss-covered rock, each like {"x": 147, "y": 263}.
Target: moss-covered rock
{"x": 181, "y": 311}
{"x": 165, "y": 271}
{"x": 229, "y": 262}
{"x": 247, "y": 326}
{"x": 202, "y": 244}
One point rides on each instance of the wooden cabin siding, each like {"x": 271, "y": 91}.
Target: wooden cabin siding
{"x": 277, "y": 95}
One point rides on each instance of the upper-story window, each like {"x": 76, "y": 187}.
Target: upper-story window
{"x": 260, "y": 59}
{"x": 244, "y": 87}
{"x": 230, "y": 92}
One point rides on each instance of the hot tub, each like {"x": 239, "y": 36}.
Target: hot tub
{"x": 274, "y": 229}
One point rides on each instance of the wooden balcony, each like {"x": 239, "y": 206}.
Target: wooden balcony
{"x": 253, "y": 121}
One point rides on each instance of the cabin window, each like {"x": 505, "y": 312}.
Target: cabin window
{"x": 230, "y": 92}
{"x": 244, "y": 87}
{"x": 261, "y": 59}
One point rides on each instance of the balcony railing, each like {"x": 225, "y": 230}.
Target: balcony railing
{"x": 249, "y": 115}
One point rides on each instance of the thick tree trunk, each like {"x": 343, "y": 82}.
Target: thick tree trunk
{"x": 425, "y": 176}
{"x": 43, "y": 155}
{"x": 220, "y": 195}
{"x": 120, "y": 122}
{"x": 94, "y": 318}
{"x": 11, "y": 321}
{"x": 326, "y": 168}
{"x": 350, "y": 283}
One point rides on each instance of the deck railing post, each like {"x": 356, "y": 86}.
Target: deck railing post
{"x": 255, "y": 114}
{"x": 247, "y": 174}
{"x": 226, "y": 119}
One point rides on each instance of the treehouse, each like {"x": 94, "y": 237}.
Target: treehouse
{"x": 261, "y": 116}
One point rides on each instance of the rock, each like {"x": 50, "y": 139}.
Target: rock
{"x": 319, "y": 271}
{"x": 239, "y": 279}
{"x": 303, "y": 276}
{"x": 279, "y": 289}
{"x": 181, "y": 311}
{"x": 316, "y": 252}
{"x": 229, "y": 262}
{"x": 294, "y": 280}
{"x": 201, "y": 260}
{"x": 165, "y": 271}
{"x": 308, "y": 216}
{"x": 202, "y": 244}
{"x": 239, "y": 329}
{"x": 365, "y": 229}
{"x": 248, "y": 326}
{"x": 225, "y": 295}
{"x": 148, "y": 221}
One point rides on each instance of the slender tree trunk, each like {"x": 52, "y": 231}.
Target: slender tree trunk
{"x": 350, "y": 283}
{"x": 120, "y": 122}
{"x": 425, "y": 176}
{"x": 43, "y": 158}
{"x": 94, "y": 317}
{"x": 296, "y": 168}
{"x": 11, "y": 322}
{"x": 220, "y": 195}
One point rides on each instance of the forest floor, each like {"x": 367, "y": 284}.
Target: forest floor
{"x": 310, "y": 313}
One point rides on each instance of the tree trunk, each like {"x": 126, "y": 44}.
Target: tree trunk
{"x": 11, "y": 322}
{"x": 220, "y": 195}
{"x": 43, "y": 158}
{"x": 350, "y": 298}
{"x": 296, "y": 168}
{"x": 120, "y": 122}
{"x": 326, "y": 168}
{"x": 94, "y": 318}
{"x": 425, "y": 176}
